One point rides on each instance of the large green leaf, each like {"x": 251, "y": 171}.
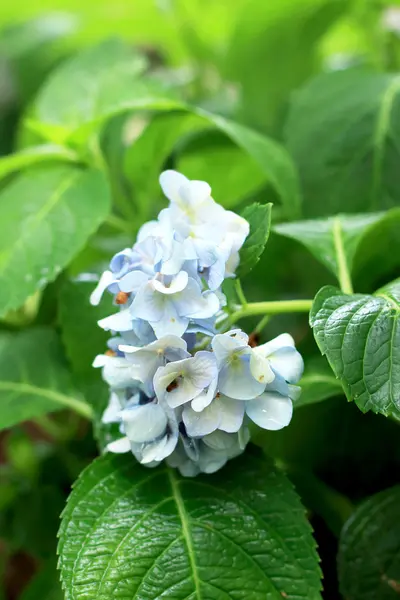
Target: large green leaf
{"x": 46, "y": 217}
{"x": 96, "y": 84}
{"x": 259, "y": 219}
{"x": 360, "y": 336}
{"x": 274, "y": 49}
{"x": 150, "y": 534}
{"x": 35, "y": 155}
{"x": 369, "y": 550}
{"x": 34, "y": 379}
{"x": 328, "y": 238}
{"x": 343, "y": 133}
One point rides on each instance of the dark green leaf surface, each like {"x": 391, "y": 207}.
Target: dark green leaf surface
{"x": 360, "y": 336}
{"x": 325, "y": 237}
{"x": 259, "y": 219}
{"x": 369, "y": 551}
{"x": 136, "y": 533}
{"x": 46, "y": 217}
{"x": 33, "y": 377}
{"x": 318, "y": 383}
{"x": 343, "y": 133}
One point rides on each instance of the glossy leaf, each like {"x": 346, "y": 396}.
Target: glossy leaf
{"x": 151, "y": 533}
{"x": 318, "y": 383}
{"x": 34, "y": 379}
{"x": 327, "y": 238}
{"x": 360, "y": 336}
{"x": 369, "y": 550}
{"x": 34, "y": 155}
{"x": 46, "y": 217}
{"x": 342, "y": 131}
{"x": 259, "y": 218}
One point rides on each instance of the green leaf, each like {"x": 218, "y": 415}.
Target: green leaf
{"x": 342, "y": 131}
{"x": 94, "y": 85}
{"x": 369, "y": 550}
{"x": 35, "y": 155}
{"x": 360, "y": 336}
{"x": 318, "y": 383}
{"x": 259, "y": 219}
{"x": 33, "y": 378}
{"x": 232, "y": 174}
{"x": 150, "y": 534}
{"x": 83, "y": 339}
{"x": 45, "y": 584}
{"x": 328, "y": 238}
{"x": 149, "y": 152}
{"x": 273, "y": 50}
{"x": 46, "y": 217}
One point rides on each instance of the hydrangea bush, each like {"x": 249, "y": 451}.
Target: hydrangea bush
{"x": 182, "y": 387}
{"x": 159, "y": 401}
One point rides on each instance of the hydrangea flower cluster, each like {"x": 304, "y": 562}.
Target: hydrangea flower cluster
{"x": 173, "y": 400}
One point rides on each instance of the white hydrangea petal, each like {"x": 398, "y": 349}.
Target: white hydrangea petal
{"x": 177, "y": 284}
{"x": 212, "y": 460}
{"x": 203, "y": 369}
{"x": 120, "y": 321}
{"x": 281, "y": 341}
{"x": 120, "y": 446}
{"x": 170, "y": 323}
{"x": 221, "y": 441}
{"x": 117, "y": 371}
{"x": 171, "y": 183}
{"x": 288, "y": 362}
{"x": 205, "y": 398}
{"x": 270, "y": 411}
{"x": 148, "y": 303}
{"x": 201, "y": 423}
{"x": 151, "y": 452}
{"x": 195, "y": 192}
{"x": 192, "y": 303}
{"x": 132, "y": 281}
{"x": 111, "y": 414}
{"x": 237, "y": 382}
{"x": 231, "y": 413}
{"x": 106, "y": 279}
{"x": 144, "y": 423}
{"x": 224, "y": 344}
{"x": 260, "y": 368}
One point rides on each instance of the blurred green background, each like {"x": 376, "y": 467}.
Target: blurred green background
{"x": 241, "y": 59}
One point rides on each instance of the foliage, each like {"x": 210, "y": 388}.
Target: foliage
{"x": 290, "y": 109}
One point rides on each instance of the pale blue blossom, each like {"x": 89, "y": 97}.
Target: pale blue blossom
{"x": 179, "y": 382}
{"x": 169, "y": 304}
{"x": 147, "y": 359}
{"x": 243, "y": 375}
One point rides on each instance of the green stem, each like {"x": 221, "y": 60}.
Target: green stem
{"x": 274, "y": 307}
{"x": 240, "y": 292}
{"x": 119, "y": 223}
{"x": 263, "y": 323}
{"x": 343, "y": 269}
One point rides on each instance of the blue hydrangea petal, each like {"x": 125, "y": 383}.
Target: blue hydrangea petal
{"x": 270, "y": 411}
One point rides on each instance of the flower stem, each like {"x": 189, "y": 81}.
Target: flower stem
{"x": 240, "y": 292}
{"x": 343, "y": 269}
{"x": 275, "y": 307}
